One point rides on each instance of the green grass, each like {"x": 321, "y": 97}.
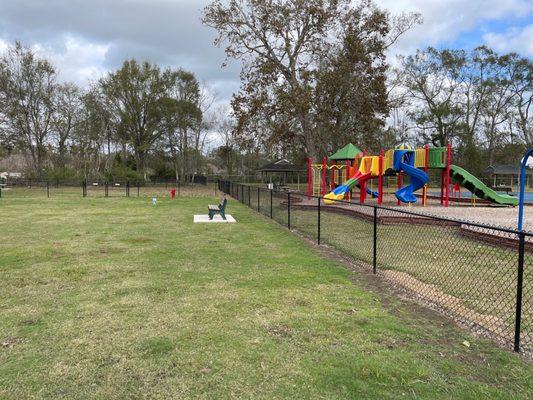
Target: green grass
{"x": 113, "y": 298}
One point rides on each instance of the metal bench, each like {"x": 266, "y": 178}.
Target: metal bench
{"x": 220, "y": 209}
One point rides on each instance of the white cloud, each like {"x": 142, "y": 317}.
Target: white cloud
{"x": 3, "y": 45}
{"x": 167, "y": 32}
{"x": 77, "y": 60}
{"x": 519, "y": 40}
{"x": 87, "y": 38}
{"x": 445, "y": 20}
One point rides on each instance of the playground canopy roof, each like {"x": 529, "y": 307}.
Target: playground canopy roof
{"x": 281, "y": 165}
{"x": 348, "y": 152}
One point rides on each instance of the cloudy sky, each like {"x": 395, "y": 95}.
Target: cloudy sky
{"x": 86, "y": 38}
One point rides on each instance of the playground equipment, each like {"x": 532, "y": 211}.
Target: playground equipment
{"x": 404, "y": 160}
{"x": 473, "y": 184}
{"x": 349, "y": 158}
{"x": 415, "y": 163}
{"x": 319, "y": 172}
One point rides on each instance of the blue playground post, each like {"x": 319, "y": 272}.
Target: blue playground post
{"x": 522, "y": 188}
{"x": 521, "y": 245}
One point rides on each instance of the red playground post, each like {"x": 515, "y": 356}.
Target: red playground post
{"x": 448, "y": 163}
{"x": 362, "y": 185}
{"x": 348, "y": 174}
{"x": 324, "y": 172}
{"x": 426, "y": 169}
{"x": 441, "y": 187}
{"x": 333, "y": 181}
{"x": 309, "y": 177}
{"x": 380, "y": 177}
{"x": 399, "y": 179}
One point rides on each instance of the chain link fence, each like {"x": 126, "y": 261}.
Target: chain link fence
{"x": 476, "y": 274}
{"x": 95, "y": 188}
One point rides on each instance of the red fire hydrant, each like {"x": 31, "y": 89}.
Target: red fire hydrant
{"x": 172, "y": 193}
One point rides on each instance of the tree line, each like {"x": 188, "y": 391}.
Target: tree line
{"x": 138, "y": 120}
{"x": 315, "y": 75}
{"x": 478, "y": 100}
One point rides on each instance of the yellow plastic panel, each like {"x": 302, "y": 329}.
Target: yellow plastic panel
{"x": 388, "y": 160}
{"x": 420, "y": 158}
{"x": 375, "y": 166}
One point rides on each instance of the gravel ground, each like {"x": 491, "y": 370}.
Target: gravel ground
{"x": 500, "y": 216}
{"x": 482, "y": 213}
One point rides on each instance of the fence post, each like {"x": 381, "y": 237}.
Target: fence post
{"x": 271, "y": 203}
{"x": 519, "y": 285}
{"x": 258, "y": 199}
{"x": 128, "y": 188}
{"x": 318, "y": 221}
{"x": 249, "y": 197}
{"x": 47, "y": 189}
{"x": 106, "y": 189}
{"x": 179, "y": 188}
{"x": 84, "y": 188}
{"x": 374, "y": 258}
{"x": 289, "y": 210}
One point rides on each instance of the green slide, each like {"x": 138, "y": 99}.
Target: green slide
{"x": 470, "y": 182}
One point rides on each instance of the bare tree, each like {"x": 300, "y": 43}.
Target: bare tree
{"x": 27, "y": 88}
{"x": 520, "y": 71}
{"x": 67, "y": 114}
{"x": 431, "y": 84}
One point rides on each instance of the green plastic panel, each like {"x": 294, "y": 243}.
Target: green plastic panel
{"x": 437, "y": 157}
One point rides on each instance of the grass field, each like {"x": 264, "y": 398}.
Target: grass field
{"x": 113, "y": 298}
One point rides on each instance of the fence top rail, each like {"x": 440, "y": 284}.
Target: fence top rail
{"x": 412, "y": 213}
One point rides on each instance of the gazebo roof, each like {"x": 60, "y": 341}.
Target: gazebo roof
{"x": 503, "y": 169}
{"x": 281, "y": 165}
{"x": 348, "y": 152}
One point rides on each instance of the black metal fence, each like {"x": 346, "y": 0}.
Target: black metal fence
{"x": 94, "y": 188}
{"x": 477, "y": 274}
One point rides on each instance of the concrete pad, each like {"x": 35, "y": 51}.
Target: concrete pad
{"x": 204, "y": 219}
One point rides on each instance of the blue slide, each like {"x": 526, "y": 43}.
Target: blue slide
{"x": 418, "y": 177}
